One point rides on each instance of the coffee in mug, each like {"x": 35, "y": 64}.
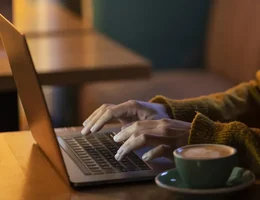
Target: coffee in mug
{"x": 205, "y": 152}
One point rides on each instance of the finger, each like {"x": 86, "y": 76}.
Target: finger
{"x": 124, "y": 126}
{"x": 136, "y": 129}
{"x": 90, "y": 123}
{"x": 103, "y": 107}
{"x": 139, "y": 142}
{"x": 159, "y": 151}
{"x": 116, "y": 112}
{"x": 127, "y": 120}
{"x": 91, "y": 117}
{"x": 86, "y": 129}
{"x": 175, "y": 123}
{"x": 148, "y": 127}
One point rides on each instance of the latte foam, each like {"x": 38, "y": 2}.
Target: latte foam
{"x": 205, "y": 152}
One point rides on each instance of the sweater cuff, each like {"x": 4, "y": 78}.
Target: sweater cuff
{"x": 204, "y": 130}
{"x": 180, "y": 109}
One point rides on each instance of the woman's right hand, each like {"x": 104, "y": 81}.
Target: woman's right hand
{"x": 127, "y": 113}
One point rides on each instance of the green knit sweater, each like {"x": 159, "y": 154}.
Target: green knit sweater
{"x": 231, "y": 117}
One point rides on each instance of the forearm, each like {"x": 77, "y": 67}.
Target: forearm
{"x": 230, "y": 105}
{"x": 246, "y": 140}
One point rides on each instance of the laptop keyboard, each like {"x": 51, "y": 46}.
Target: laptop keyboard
{"x": 97, "y": 154}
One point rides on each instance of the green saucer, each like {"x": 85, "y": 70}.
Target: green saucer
{"x": 238, "y": 180}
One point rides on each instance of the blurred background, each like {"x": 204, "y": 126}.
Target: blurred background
{"x": 90, "y": 52}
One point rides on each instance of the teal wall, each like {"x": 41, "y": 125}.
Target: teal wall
{"x": 168, "y": 32}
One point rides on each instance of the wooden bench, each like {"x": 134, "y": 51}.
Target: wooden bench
{"x": 233, "y": 39}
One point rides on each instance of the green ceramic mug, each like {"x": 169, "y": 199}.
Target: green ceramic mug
{"x": 205, "y": 165}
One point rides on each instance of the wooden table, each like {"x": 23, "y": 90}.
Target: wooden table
{"x": 72, "y": 59}
{"x": 77, "y": 58}
{"x": 26, "y": 174}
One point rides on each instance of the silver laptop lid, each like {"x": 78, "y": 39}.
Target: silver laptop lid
{"x": 31, "y": 94}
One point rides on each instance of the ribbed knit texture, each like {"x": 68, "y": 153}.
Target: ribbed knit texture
{"x": 224, "y": 118}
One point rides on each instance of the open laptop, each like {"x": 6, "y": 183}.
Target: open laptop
{"x": 80, "y": 160}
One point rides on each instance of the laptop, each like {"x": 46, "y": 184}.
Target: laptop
{"x": 80, "y": 160}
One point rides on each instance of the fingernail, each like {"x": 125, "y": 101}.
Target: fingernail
{"x": 119, "y": 151}
{"x": 145, "y": 157}
{"x": 93, "y": 129}
{"x": 84, "y": 131}
{"x": 116, "y": 138}
{"x": 85, "y": 123}
{"x": 117, "y": 156}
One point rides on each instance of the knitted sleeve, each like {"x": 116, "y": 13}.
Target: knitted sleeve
{"x": 246, "y": 140}
{"x": 237, "y": 103}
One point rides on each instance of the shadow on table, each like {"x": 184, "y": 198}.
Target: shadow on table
{"x": 42, "y": 181}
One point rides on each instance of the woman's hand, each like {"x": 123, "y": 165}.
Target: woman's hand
{"x": 127, "y": 113}
{"x": 165, "y": 134}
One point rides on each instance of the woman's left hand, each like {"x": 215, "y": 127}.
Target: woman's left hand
{"x": 165, "y": 134}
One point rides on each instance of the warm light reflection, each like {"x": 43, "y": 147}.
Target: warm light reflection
{"x": 42, "y": 16}
{"x": 34, "y": 14}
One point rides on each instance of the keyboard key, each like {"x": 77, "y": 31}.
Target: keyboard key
{"x": 92, "y": 151}
{"x": 134, "y": 156}
{"x": 126, "y": 163}
{"x": 92, "y": 165}
{"x": 70, "y": 141}
{"x": 113, "y": 149}
{"x": 99, "y": 159}
{"x": 109, "y": 171}
{"x": 81, "y": 153}
{"x": 74, "y": 145}
{"x": 120, "y": 169}
{"x": 129, "y": 165}
{"x": 132, "y": 169}
{"x": 107, "y": 167}
{"x": 97, "y": 172}
{"x": 83, "y": 141}
{"x": 103, "y": 165}
{"x": 138, "y": 162}
{"x": 85, "y": 156}
{"x": 143, "y": 166}
{"x": 88, "y": 148}
{"x": 86, "y": 161}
